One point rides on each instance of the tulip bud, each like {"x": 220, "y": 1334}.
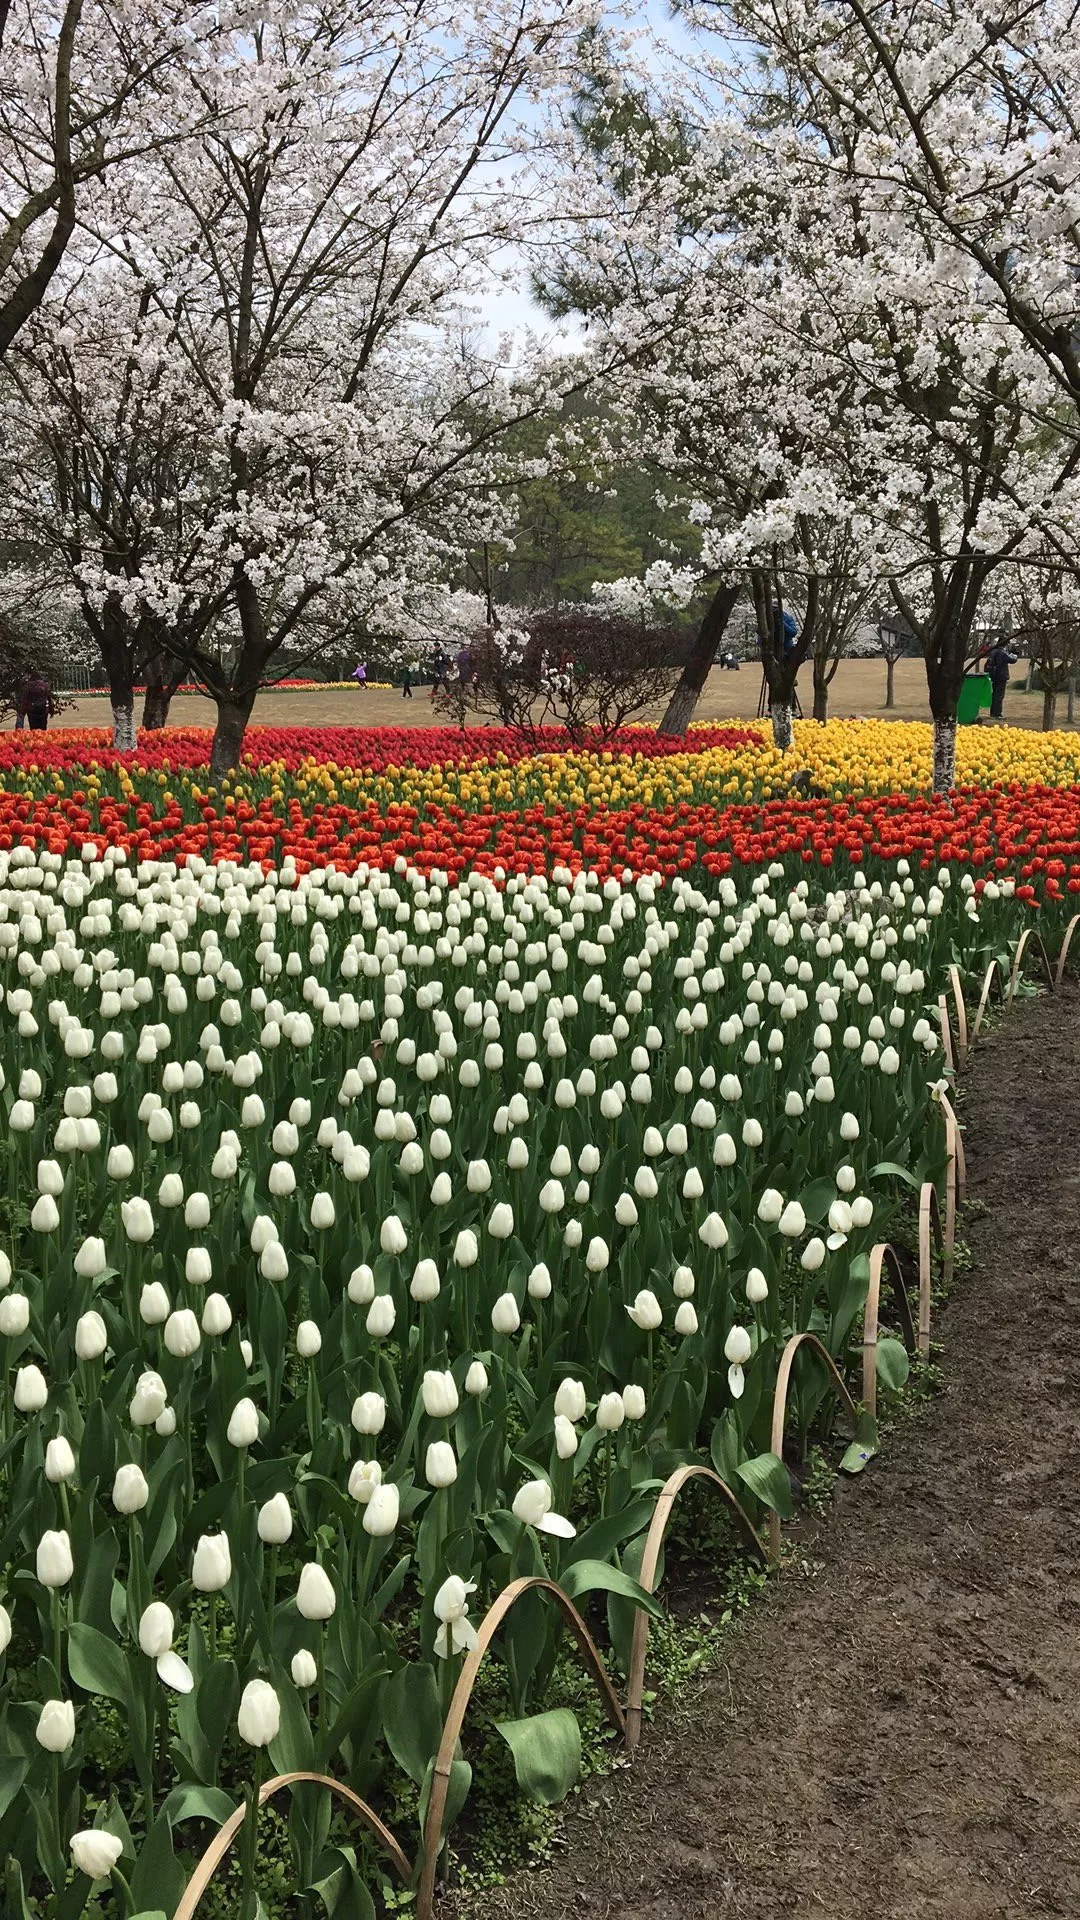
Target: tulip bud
{"x": 466, "y": 1250}
{"x": 138, "y": 1221}
{"x": 361, "y": 1287}
{"x": 597, "y": 1256}
{"x": 273, "y": 1261}
{"x": 45, "y": 1216}
{"x": 712, "y": 1232}
{"x": 197, "y": 1212}
{"x": 646, "y": 1312}
{"x": 683, "y": 1283}
{"x": 686, "y": 1320}
{"x": 792, "y": 1221}
{"x": 770, "y": 1206}
{"x": 130, "y": 1491}
{"x": 737, "y": 1347}
{"x": 5, "y": 1629}
{"x": 610, "y": 1412}
{"x": 440, "y": 1464}
{"x": 91, "y": 1260}
{"x": 813, "y": 1254}
{"x": 31, "y": 1391}
{"x": 633, "y": 1399}
{"x": 211, "y": 1567}
{"x": 476, "y": 1380}
{"x": 505, "y": 1317}
{"x": 381, "y": 1316}
{"x": 424, "y": 1285}
{"x": 315, "y": 1596}
{"x": 303, "y": 1669}
{"x": 14, "y": 1314}
{"x": 308, "y": 1340}
{"x": 275, "y": 1522}
{"x": 845, "y": 1179}
{"x": 95, "y": 1852}
{"x": 366, "y": 1475}
{"x": 392, "y": 1235}
{"x": 381, "y": 1512}
{"x": 757, "y": 1287}
{"x": 369, "y": 1413}
{"x": 862, "y": 1211}
{"x": 570, "y": 1400}
{"x": 182, "y": 1337}
{"x": 243, "y": 1427}
{"x": 216, "y": 1314}
{"x": 55, "y": 1730}
{"x": 153, "y": 1304}
{"x": 59, "y": 1461}
{"x": 259, "y": 1717}
{"x": 532, "y": 1506}
{"x": 91, "y": 1336}
{"x": 566, "y": 1439}
{"x": 156, "y": 1629}
{"x": 849, "y": 1127}
{"x": 54, "y": 1564}
{"x": 149, "y": 1399}
{"x": 322, "y": 1212}
{"x": 440, "y": 1395}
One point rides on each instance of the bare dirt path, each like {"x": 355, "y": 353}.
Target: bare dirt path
{"x": 896, "y": 1733}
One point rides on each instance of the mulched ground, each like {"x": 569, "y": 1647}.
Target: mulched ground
{"x": 896, "y": 1733}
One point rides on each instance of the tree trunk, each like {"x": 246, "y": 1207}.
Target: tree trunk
{"x": 890, "y": 690}
{"x": 123, "y": 724}
{"x": 680, "y": 708}
{"x": 1049, "y": 709}
{"x": 1070, "y": 711}
{"x": 232, "y": 719}
{"x": 821, "y": 699}
{"x": 782, "y": 727}
{"x": 156, "y": 707}
{"x": 944, "y": 752}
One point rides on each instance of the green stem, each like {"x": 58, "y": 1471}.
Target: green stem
{"x": 249, "y": 1845}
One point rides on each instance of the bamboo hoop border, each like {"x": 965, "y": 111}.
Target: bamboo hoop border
{"x": 222, "y": 1842}
{"x": 455, "y": 1717}
{"x": 932, "y": 1230}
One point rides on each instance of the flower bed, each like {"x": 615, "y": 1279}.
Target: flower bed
{"x": 373, "y": 1241}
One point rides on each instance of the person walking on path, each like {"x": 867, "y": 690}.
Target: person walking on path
{"x": 440, "y": 663}
{"x": 34, "y": 704}
{"x": 406, "y": 680}
{"x": 998, "y": 661}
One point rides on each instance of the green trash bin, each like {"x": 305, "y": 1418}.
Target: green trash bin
{"x": 975, "y": 695}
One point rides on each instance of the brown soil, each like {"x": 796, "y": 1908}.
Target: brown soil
{"x": 895, "y": 1734}
{"x": 859, "y": 688}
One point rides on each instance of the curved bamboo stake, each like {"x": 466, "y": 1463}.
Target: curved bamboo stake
{"x": 994, "y": 977}
{"x": 1063, "y": 952}
{"x": 962, "y": 1044}
{"x": 452, "y": 1726}
{"x": 946, "y": 1033}
{"x": 779, "y": 1411}
{"x": 930, "y": 1228}
{"x": 954, "y": 1147}
{"x": 654, "y": 1540}
{"x": 880, "y": 1256}
{"x": 223, "y": 1839}
{"x": 1029, "y": 933}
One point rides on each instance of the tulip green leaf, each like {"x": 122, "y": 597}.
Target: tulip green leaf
{"x": 340, "y": 1888}
{"x": 13, "y": 1771}
{"x": 767, "y": 1477}
{"x": 816, "y": 1199}
{"x": 293, "y": 1751}
{"x": 893, "y": 1365}
{"x": 193, "y": 1802}
{"x": 96, "y": 1664}
{"x": 609, "y": 1532}
{"x": 863, "y": 1447}
{"x": 412, "y": 1718}
{"x": 95, "y": 1594}
{"x": 887, "y": 1169}
{"x": 158, "y": 1873}
{"x": 456, "y": 1794}
{"x": 597, "y": 1576}
{"x": 547, "y": 1753}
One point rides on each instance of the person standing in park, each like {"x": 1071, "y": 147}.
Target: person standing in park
{"x": 440, "y": 662}
{"x": 34, "y": 704}
{"x": 998, "y": 661}
{"x": 407, "y": 680}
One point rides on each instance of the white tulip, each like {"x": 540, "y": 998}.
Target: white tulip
{"x": 55, "y": 1729}
{"x": 315, "y": 1596}
{"x": 95, "y": 1852}
{"x": 14, "y": 1314}
{"x": 361, "y": 1288}
{"x": 308, "y": 1340}
{"x": 757, "y": 1287}
{"x": 466, "y": 1250}
{"x": 440, "y": 1464}
{"x": 303, "y": 1668}
{"x": 59, "y": 1461}
{"x": 91, "y": 1336}
{"x": 149, "y": 1399}
{"x": 505, "y": 1317}
{"x": 130, "y": 1491}
{"x": 45, "y": 1215}
{"x": 120, "y": 1163}
{"x": 849, "y": 1127}
{"x": 686, "y": 1320}
{"x": 792, "y": 1221}
{"x": 813, "y": 1254}
{"x": 275, "y": 1521}
{"x": 597, "y": 1255}
{"x": 138, "y": 1221}
{"x": 738, "y": 1347}
{"x": 862, "y": 1211}
{"x": 382, "y": 1511}
{"x": 31, "y": 1390}
{"x": 366, "y": 1475}
{"x": 532, "y": 1506}
{"x": 322, "y": 1212}
{"x": 610, "y": 1412}
{"x": 392, "y": 1235}
{"x": 211, "y": 1567}
{"x": 182, "y": 1336}
{"x": 274, "y": 1262}
{"x": 634, "y": 1402}
{"x": 198, "y": 1267}
{"x": 646, "y": 1311}
{"x": 369, "y": 1413}
{"x": 501, "y": 1221}
{"x": 216, "y": 1314}
{"x": 439, "y": 1395}
{"x": 54, "y": 1564}
{"x": 197, "y": 1212}
{"x": 770, "y": 1206}
{"x": 259, "y": 1717}
{"x": 381, "y": 1316}
{"x": 476, "y": 1380}
{"x": 456, "y": 1634}
{"x": 243, "y": 1427}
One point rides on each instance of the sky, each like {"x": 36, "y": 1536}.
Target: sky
{"x": 509, "y": 308}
